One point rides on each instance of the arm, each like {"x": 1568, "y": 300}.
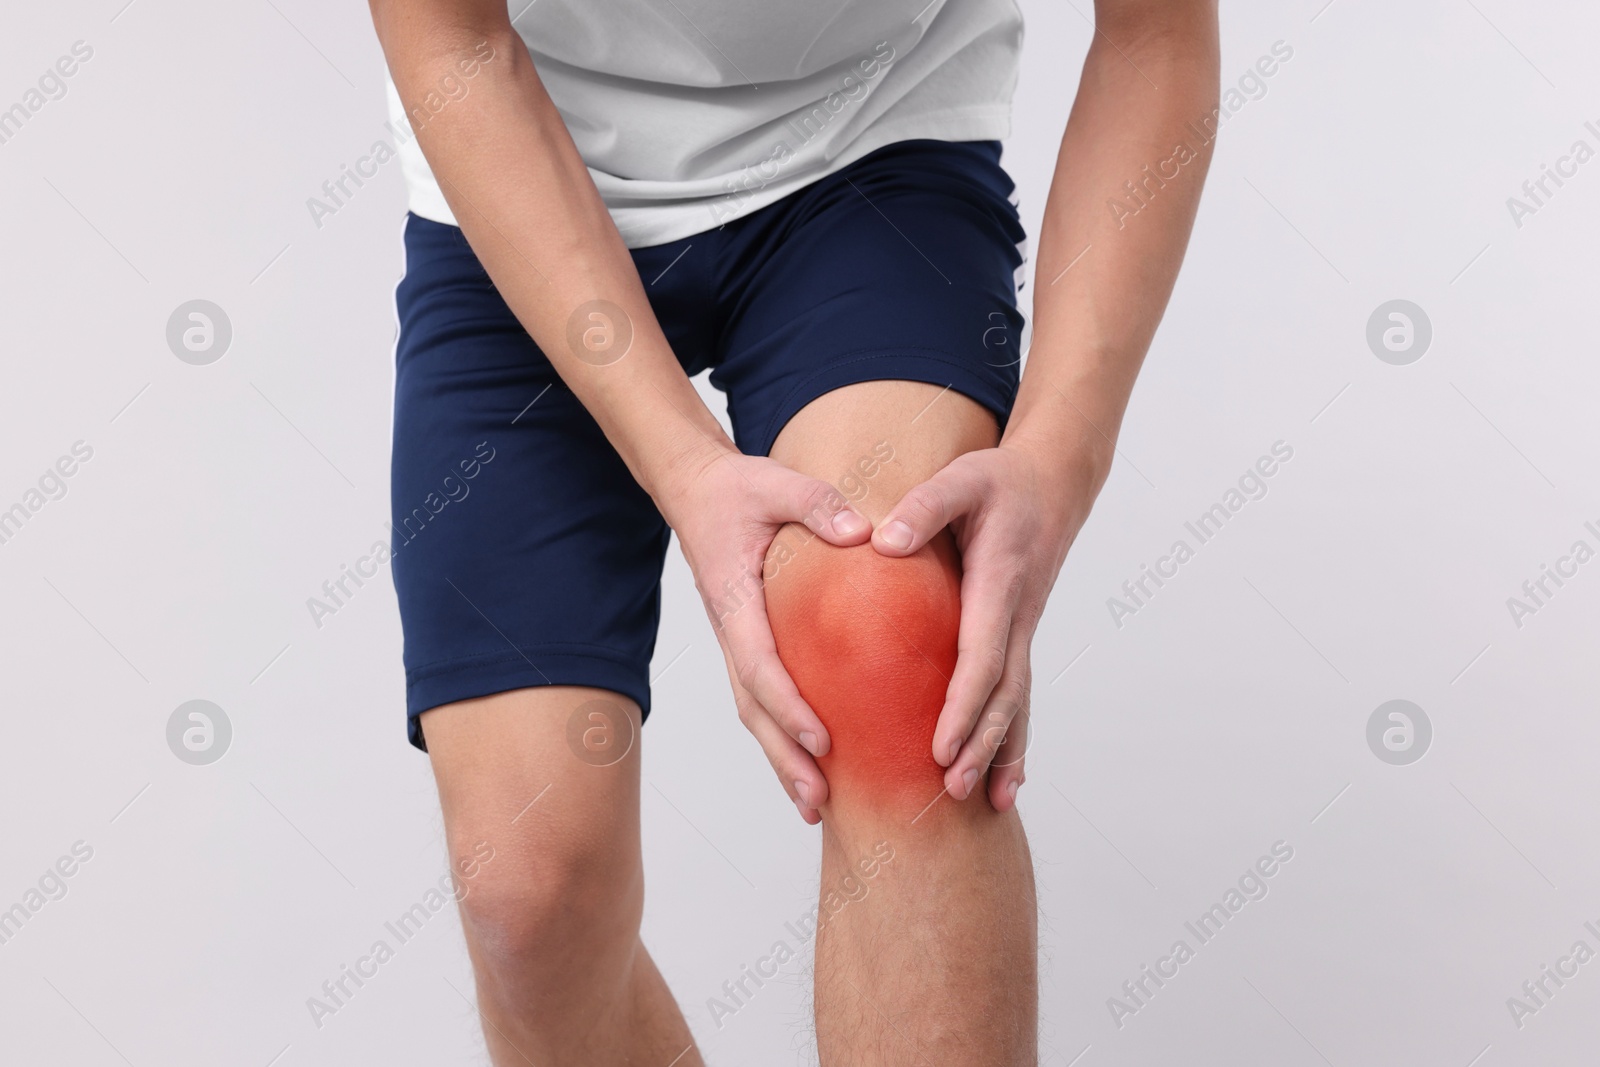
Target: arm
{"x": 525, "y": 201}
{"x": 1103, "y": 280}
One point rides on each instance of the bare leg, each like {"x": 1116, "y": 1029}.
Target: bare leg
{"x": 543, "y": 832}
{"x": 927, "y": 949}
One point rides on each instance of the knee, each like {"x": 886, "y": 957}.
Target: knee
{"x": 541, "y": 906}
{"x": 870, "y": 641}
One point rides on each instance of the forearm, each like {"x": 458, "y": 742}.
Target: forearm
{"x": 1121, "y": 207}
{"x": 524, "y": 199}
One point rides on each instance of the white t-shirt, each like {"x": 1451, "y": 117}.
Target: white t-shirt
{"x": 690, "y": 113}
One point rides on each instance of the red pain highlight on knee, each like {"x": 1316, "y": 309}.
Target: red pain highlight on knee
{"x": 870, "y": 641}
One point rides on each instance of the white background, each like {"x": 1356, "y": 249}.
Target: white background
{"x": 1228, "y": 714}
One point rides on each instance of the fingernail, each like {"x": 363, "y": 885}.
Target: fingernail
{"x": 808, "y": 741}
{"x": 955, "y": 750}
{"x": 802, "y": 791}
{"x": 1011, "y": 787}
{"x": 896, "y": 534}
{"x": 847, "y": 523}
{"x": 970, "y": 779}
{"x": 801, "y": 808}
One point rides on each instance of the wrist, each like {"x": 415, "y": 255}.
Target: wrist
{"x": 672, "y": 475}
{"x": 657, "y": 422}
{"x": 1071, "y": 418}
{"x": 1073, "y": 452}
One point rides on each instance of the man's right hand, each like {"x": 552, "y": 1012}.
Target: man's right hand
{"x": 726, "y": 516}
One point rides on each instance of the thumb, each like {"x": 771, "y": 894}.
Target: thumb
{"x": 925, "y": 510}
{"x": 823, "y": 510}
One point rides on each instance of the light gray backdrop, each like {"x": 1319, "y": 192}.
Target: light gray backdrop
{"x": 1229, "y": 713}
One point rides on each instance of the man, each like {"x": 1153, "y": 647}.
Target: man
{"x": 612, "y": 195}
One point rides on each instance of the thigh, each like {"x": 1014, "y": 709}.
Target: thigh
{"x": 524, "y": 553}
{"x": 874, "y": 440}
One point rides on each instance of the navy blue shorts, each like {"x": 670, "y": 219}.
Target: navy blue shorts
{"x": 524, "y": 553}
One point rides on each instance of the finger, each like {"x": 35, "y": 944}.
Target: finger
{"x": 797, "y": 772}
{"x": 988, "y": 604}
{"x": 758, "y": 669}
{"x": 1005, "y": 710}
{"x": 926, "y": 509}
{"x": 1007, "y": 771}
{"x": 823, "y": 510}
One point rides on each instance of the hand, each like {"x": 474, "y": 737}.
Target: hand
{"x": 726, "y": 516}
{"x": 1014, "y": 515}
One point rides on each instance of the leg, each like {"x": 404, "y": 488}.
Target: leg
{"x": 926, "y": 950}
{"x": 527, "y": 564}
{"x": 545, "y": 847}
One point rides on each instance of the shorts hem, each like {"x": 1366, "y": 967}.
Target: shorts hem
{"x": 449, "y": 682}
